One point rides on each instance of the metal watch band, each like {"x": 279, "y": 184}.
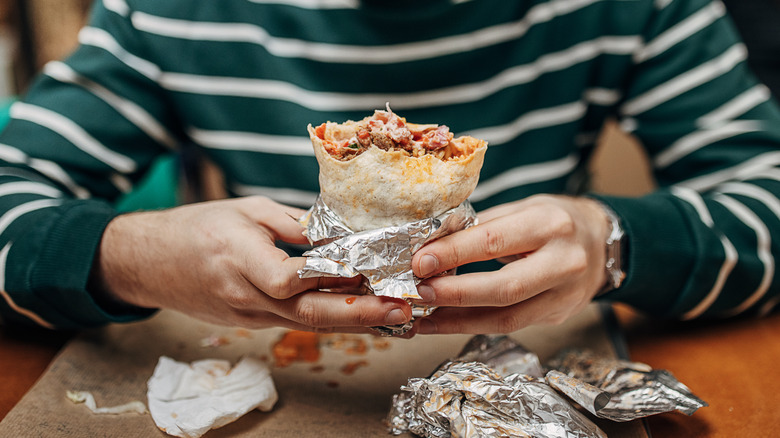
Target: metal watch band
{"x": 614, "y": 265}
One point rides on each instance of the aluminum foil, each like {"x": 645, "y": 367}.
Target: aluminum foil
{"x": 634, "y": 389}
{"x": 469, "y": 399}
{"x": 502, "y": 354}
{"x": 383, "y": 255}
{"x": 494, "y": 388}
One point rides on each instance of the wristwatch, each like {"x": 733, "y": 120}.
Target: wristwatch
{"x": 614, "y": 264}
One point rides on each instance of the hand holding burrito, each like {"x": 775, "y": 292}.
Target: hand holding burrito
{"x": 217, "y": 261}
{"x": 553, "y": 247}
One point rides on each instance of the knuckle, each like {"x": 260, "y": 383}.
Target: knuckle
{"x": 556, "y": 318}
{"x": 451, "y": 256}
{"x": 578, "y": 260}
{"x": 560, "y": 222}
{"x": 258, "y": 200}
{"x": 307, "y": 314}
{"x": 457, "y": 296}
{"x": 494, "y": 243}
{"x": 509, "y": 323}
{"x": 245, "y": 319}
{"x": 277, "y": 286}
{"x": 238, "y": 299}
{"x": 511, "y": 291}
{"x": 364, "y": 318}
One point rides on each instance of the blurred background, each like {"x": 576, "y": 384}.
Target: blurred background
{"x": 33, "y": 32}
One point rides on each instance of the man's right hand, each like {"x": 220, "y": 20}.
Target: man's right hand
{"x": 217, "y": 261}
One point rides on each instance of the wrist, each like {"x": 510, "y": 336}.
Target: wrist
{"x": 113, "y": 282}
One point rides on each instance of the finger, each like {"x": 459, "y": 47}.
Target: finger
{"x": 281, "y": 219}
{"x": 543, "y": 309}
{"x": 513, "y": 283}
{"x": 323, "y": 310}
{"x": 261, "y": 320}
{"x": 497, "y": 211}
{"x": 502, "y": 236}
{"x": 274, "y": 272}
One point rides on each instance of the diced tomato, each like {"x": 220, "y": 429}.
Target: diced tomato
{"x": 320, "y": 131}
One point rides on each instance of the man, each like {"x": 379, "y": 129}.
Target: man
{"x": 240, "y": 80}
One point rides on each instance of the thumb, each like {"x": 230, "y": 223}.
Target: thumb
{"x": 280, "y": 220}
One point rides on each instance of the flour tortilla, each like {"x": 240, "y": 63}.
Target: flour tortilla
{"x": 381, "y": 188}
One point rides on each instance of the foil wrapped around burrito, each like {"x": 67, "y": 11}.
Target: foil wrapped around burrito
{"x": 466, "y": 397}
{"x": 383, "y": 255}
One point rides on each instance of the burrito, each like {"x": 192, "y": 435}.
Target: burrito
{"x": 382, "y": 171}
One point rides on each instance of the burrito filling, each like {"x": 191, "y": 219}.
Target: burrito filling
{"x": 387, "y": 131}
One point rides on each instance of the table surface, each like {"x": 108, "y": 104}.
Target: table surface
{"x": 730, "y": 364}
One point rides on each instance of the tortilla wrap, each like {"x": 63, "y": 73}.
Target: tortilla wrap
{"x": 381, "y": 188}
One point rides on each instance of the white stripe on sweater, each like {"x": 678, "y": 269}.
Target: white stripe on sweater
{"x": 301, "y": 146}
{"x": 29, "y": 188}
{"x": 117, "y": 6}
{"x": 134, "y": 113}
{"x": 48, "y": 168}
{"x": 752, "y": 191}
{"x": 331, "y": 101}
{"x": 769, "y": 306}
{"x": 695, "y": 200}
{"x": 678, "y": 85}
{"x": 772, "y": 173}
{"x": 602, "y": 96}
{"x": 252, "y": 142}
{"x": 681, "y": 31}
{"x": 20, "y": 210}
{"x": 736, "y": 107}
{"x": 22, "y": 311}
{"x": 357, "y": 54}
{"x": 523, "y": 175}
{"x": 313, "y": 4}
{"x": 92, "y": 36}
{"x": 698, "y": 139}
{"x": 297, "y": 198}
{"x": 546, "y": 117}
{"x": 743, "y": 170}
{"x": 764, "y": 251}
{"x": 74, "y": 133}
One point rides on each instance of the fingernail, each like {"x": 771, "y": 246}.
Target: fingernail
{"x": 427, "y": 327}
{"x": 395, "y": 316}
{"x": 426, "y": 292}
{"x": 428, "y": 265}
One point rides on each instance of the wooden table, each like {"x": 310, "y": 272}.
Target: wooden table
{"x": 730, "y": 364}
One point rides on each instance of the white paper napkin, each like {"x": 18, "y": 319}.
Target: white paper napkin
{"x": 187, "y": 400}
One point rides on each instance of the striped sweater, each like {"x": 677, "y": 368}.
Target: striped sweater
{"x": 241, "y": 79}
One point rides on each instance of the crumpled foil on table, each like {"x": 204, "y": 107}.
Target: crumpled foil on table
{"x": 634, "y": 390}
{"x": 466, "y": 397}
{"x": 383, "y": 255}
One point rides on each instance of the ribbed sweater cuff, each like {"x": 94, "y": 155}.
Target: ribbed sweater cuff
{"x": 657, "y": 261}
{"x": 61, "y": 273}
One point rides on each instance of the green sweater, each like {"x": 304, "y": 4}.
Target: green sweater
{"x": 241, "y": 79}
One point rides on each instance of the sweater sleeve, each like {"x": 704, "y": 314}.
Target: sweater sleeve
{"x": 705, "y": 243}
{"x": 88, "y": 129}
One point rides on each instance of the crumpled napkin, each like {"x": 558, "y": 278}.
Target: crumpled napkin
{"x": 187, "y": 400}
